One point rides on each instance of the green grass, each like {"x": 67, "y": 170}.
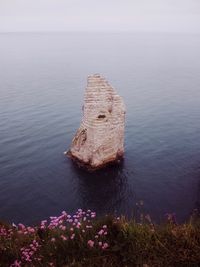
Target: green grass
{"x": 129, "y": 243}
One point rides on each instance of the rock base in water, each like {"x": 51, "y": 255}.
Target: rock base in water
{"x": 90, "y": 168}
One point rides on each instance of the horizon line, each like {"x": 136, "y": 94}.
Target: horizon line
{"x": 99, "y": 31}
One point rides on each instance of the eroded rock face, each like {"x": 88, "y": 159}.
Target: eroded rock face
{"x": 100, "y": 138}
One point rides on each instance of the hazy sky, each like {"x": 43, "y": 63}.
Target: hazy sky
{"x": 101, "y": 15}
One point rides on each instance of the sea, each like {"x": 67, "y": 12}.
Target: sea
{"x": 43, "y": 77}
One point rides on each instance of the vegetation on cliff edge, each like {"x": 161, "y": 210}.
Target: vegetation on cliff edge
{"x": 83, "y": 240}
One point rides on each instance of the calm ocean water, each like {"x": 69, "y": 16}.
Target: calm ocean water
{"x": 42, "y": 82}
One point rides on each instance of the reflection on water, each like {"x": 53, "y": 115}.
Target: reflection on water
{"x": 104, "y": 189}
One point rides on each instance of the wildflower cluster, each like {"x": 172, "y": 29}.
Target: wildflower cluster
{"x": 57, "y": 233}
{"x": 100, "y": 238}
{"x": 29, "y": 252}
{"x": 70, "y": 226}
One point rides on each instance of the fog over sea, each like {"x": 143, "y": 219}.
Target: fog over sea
{"x": 42, "y": 82}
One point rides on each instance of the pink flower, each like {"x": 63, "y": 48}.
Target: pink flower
{"x": 53, "y": 239}
{"x": 72, "y": 236}
{"x": 105, "y": 245}
{"x": 91, "y": 243}
{"x": 104, "y": 226}
{"x": 93, "y": 214}
{"x": 100, "y": 244}
{"x": 31, "y": 229}
{"x": 21, "y": 226}
{"x": 62, "y": 227}
{"x": 16, "y": 264}
{"x": 101, "y": 232}
{"x": 64, "y": 238}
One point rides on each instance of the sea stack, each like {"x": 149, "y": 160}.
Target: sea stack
{"x": 99, "y": 140}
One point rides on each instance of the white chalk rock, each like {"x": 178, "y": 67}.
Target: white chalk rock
{"x": 100, "y": 138}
